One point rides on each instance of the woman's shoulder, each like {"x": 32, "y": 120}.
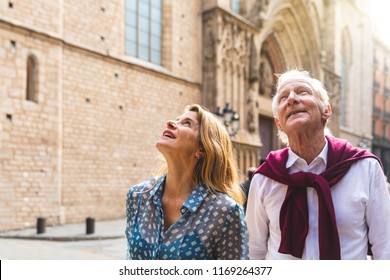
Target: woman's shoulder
{"x": 142, "y": 187}
{"x": 225, "y": 202}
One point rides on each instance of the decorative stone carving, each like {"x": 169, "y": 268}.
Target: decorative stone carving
{"x": 253, "y": 88}
{"x": 230, "y": 48}
{"x": 209, "y": 48}
{"x": 266, "y": 72}
{"x": 257, "y": 14}
{"x": 252, "y": 108}
{"x": 234, "y": 43}
{"x": 253, "y": 66}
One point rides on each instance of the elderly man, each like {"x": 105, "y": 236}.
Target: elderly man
{"x": 319, "y": 198}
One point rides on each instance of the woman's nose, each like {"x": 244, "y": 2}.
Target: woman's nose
{"x": 171, "y": 124}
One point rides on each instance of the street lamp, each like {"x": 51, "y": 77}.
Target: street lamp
{"x": 229, "y": 118}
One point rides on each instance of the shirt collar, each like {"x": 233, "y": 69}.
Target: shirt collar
{"x": 293, "y": 157}
{"x": 156, "y": 192}
{"x": 193, "y": 201}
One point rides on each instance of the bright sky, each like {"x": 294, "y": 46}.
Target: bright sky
{"x": 380, "y": 15}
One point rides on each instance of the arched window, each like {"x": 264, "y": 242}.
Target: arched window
{"x": 32, "y": 79}
{"x": 345, "y": 67}
{"x": 144, "y": 29}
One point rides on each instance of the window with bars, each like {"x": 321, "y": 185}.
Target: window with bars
{"x": 143, "y": 29}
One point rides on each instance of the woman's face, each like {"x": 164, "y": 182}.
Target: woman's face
{"x": 181, "y": 136}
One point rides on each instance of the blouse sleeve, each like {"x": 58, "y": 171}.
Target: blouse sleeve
{"x": 133, "y": 201}
{"x": 233, "y": 243}
{"x": 129, "y": 215}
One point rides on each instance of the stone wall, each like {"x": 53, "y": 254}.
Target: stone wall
{"x": 112, "y": 117}
{"x": 91, "y": 134}
{"x": 29, "y": 140}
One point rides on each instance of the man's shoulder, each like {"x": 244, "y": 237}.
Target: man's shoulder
{"x": 368, "y": 161}
{"x": 264, "y": 182}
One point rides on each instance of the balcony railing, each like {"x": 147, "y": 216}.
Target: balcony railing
{"x": 377, "y": 111}
{"x": 386, "y": 91}
{"x": 376, "y": 86}
{"x": 386, "y": 116}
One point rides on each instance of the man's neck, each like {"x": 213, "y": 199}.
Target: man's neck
{"x": 308, "y": 149}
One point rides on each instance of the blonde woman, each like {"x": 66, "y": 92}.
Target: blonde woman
{"x": 193, "y": 209}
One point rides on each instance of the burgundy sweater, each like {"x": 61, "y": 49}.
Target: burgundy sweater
{"x": 294, "y": 217}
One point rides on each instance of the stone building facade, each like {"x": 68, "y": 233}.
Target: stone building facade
{"x": 91, "y": 132}
{"x": 82, "y": 104}
{"x": 381, "y": 104}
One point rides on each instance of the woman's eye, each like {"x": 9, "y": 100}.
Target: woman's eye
{"x": 185, "y": 123}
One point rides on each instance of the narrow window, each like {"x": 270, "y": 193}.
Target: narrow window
{"x": 32, "y": 79}
{"x": 345, "y": 71}
{"x": 143, "y": 29}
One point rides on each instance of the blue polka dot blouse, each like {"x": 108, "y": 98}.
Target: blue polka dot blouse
{"x": 212, "y": 226}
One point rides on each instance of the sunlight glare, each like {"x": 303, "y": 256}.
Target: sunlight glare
{"x": 381, "y": 19}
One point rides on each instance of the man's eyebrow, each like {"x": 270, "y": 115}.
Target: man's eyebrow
{"x": 295, "y": 87}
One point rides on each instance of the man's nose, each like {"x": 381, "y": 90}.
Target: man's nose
{"x": 292, "y": 97}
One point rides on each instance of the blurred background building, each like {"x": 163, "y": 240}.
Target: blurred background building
{"x": 87, "y": 86}
{"x": 381, "y": 104}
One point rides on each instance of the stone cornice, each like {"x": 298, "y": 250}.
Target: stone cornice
{"x": 236, "y": 18}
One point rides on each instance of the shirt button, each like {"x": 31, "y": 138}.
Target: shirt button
{"x": 182, "y": 210}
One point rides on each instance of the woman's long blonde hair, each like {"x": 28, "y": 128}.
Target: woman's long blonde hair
{"x": 218, "y": 167}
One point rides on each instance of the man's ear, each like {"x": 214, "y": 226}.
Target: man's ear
{"x": 277, "y": 124}
{"x": 327, "y": 112}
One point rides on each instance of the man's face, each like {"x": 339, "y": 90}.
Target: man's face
{"x": 299, "y": 108}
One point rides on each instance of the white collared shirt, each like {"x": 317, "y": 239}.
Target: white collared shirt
{"x": 361, "y": 201}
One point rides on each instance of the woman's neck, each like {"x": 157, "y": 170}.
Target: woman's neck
{"x": 180, "y": 181}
